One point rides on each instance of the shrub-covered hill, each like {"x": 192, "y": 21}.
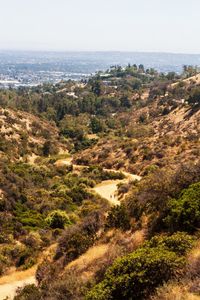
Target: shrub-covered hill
{"x": 37, "y": 202}
{"x": 153, "y": 136}
{"x": 148, "y": 248}
{"x": 127, "y": 119}
{"x": 24, "y": 136}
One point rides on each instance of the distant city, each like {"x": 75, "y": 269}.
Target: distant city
{"x": 28, "y": 69}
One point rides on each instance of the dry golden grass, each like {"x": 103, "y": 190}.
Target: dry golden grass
{"x": 174, "y": 291}
{"x": 193, "y": 259}
{"x": 17, "y": 276}
{"x": 87, "y": 258}
{"x": 98, "y": 258}
{"x": 88, "y": 264}
{"x": 194, "y": 79}
{"x": 195, "y": 253}
{"x": 189, "y": 287}
{"x": 63, "y": 162}
{"x": 92, "y": 136}
{"x": 14, "y": 275}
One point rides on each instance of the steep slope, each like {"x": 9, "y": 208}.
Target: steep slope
{"x": 23, "y": 134}
{"x": 161, "y": 140}
{"x": 194, "y": 80}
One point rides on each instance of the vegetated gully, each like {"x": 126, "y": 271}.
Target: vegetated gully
{"x": 15, "y": 279}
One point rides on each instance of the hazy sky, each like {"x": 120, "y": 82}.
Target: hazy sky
{"x": 130, "y": 25}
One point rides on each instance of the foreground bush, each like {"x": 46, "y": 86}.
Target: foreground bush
{"x": 29, "y": 292}
{"x": 137, "y": 275}
{"x": 180, "y": 242}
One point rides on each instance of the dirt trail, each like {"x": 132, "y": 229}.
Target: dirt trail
{"x": 9, "y": 283}
{"x": 8, "y": 289}
{"x": 107, "y": 189}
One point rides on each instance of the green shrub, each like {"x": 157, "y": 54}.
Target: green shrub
{"x": 118, "y": 218}
{"x": 3, "y": 263}
{"x": 98, "y": 174}
{"x": 58, "y": 219}
{"x": 179, "y": 242}
{"x": 137, "y": 275}
{"x": 29, "y": 218}
{"x": 194, "y": 97}
{"x": 25, "y": 258}
{"x": 30, "y": 262}
{"x": 184, "y": 212}
{"x": 29, "y": 292}
{"x": 76, "y": 239}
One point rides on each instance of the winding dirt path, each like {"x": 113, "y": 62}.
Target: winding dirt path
{"x": 107, "y": 189}
{"x": 9, "y": 289}
{"x": 18, "y": 279}
{"x": 9, "y": 283}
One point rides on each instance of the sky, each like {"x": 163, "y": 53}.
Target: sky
{"x": 101, "y": 25}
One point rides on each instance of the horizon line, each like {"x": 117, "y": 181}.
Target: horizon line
{"x": 95, "y": 51}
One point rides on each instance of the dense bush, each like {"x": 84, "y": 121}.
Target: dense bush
{"x": 58, "y": 219}
{"x": 29, "y": 292}
{"x": 98, "y": 174}
{"x": 137, "y": 275}
{"x": 179, "y": 242}
{"x": 152, "y": 197}
{"x": 118, "y": 218}
{"x": 184, "y": 212}
{"x": 70, "y": 287}
{"x": 28, "y": 218}
{"x": 78, "y": 238}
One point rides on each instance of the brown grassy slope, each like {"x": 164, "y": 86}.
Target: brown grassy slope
{"x": 23, "y": 134}
{"x": 91, "y": 266}
{"x": 188, "y": 288}
{"x": 172, "y": 138}
{"x": 188, "y": 81}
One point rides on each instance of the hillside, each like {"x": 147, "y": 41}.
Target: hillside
{"x": 100, "y": 187}
{"x": 158, "y": 134}
{"x": 189, "y": 81}
{"x": 23, "y": 135}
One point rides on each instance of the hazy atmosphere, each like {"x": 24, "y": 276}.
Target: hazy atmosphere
{"x": 163, "y": 26}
